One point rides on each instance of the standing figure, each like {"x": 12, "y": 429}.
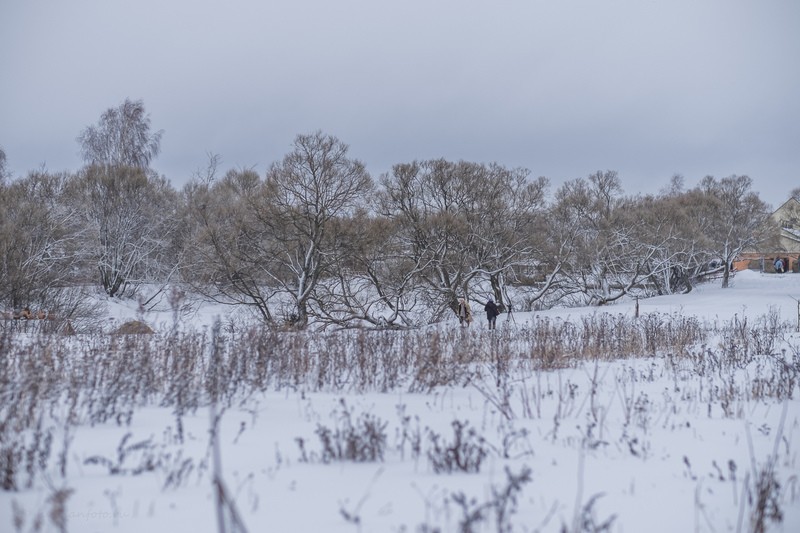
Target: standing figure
{"x": 778, "y": 265}
{"x": 491, "y": 313}
{"x": 464, "y": 312}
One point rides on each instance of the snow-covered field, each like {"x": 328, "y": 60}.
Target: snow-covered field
{"x": 693, "y": 441}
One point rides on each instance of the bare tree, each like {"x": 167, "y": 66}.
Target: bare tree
{"x": 121, "y": 138}
{"x": 230, "y": 253}
{"x": 693, "y": 213}
{"x": 676, "y": 186}
{"x": 3, "y": 164}
{"x": 39, "y": 242}
{"x": 129, "y": 219}
{"x": 465, "y": 223}
{"x": 741, "y": 218}
{"x": 613, "y": 252}
{"x": 506, "y": 217}
{"x": 270, "y": 242}
{"x": 306, "y": 192}
{"x": 373, "y": 281}
{"x": 129, "y": 211}
{"x": 424, "y": 199}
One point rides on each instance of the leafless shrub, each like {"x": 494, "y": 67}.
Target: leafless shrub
{"x": 143, "y": 461}
{"x": 105, "y": 377}
{"x": 56, "y": 512}
{"x": 408, "y": 434}
{"x": 778, "y": 380}
{"x": 641, "y": 410}
{"x": 177, "y": 469}
{"x": 100, "y": 379}
{"x": 683, "y": 332}
{"x": 497, "y": 510}
{"x": 651, "y": 324}
{"x": 146, "y": 456}
{"x": 505, "y": 500}
{"x": 741, "y": 341}
{"x": 19, "y": 516}
{"x": 499, "y": 396}
{"x": 764, "y": 494}
{"x": 359, "y": 440}
{"x": 440, "y": 361}
{"x": 512, "y": 442}
{"x": 764, "y": 497}
{"x": 588, "y": 521}
{"x": 26, "y": 453}
{"x": 353, "y": 514}
{"x": 768, "y": 331}
{"x": 736, "y": 342}
{"x": 465, "y": 453}
{"x": 554, "y": 343}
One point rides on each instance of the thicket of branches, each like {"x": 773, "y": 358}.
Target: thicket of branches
{"x": 316, "y": 239}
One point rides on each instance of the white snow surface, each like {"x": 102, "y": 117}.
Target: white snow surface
{"x": 678, "y": 464}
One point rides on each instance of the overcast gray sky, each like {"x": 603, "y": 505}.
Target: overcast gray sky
{"x": 563, "y": 88}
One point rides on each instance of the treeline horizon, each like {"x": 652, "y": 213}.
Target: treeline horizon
{"x": 316, "y": 239}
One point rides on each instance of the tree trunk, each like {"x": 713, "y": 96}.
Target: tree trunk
{"x": 726, "y": 274}
{"x": 496, "y": 281}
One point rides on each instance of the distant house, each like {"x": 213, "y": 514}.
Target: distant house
{"x": 785, "y": 244}
{"x": 787, "y": 217}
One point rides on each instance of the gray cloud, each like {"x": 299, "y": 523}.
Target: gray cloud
{"x": 562, "y": 88}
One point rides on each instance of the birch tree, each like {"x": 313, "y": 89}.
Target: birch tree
{"x": 128, "y": 209}
{"x": 121, "y": 138}
{"x": 128, "y": 218}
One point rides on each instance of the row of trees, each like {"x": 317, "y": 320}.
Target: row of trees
{"x": 317, "y": 239}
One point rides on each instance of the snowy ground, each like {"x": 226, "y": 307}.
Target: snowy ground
{"x": 638, "y": 444}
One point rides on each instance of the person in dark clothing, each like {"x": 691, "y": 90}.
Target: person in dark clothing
{"x": 491, "y": 313}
